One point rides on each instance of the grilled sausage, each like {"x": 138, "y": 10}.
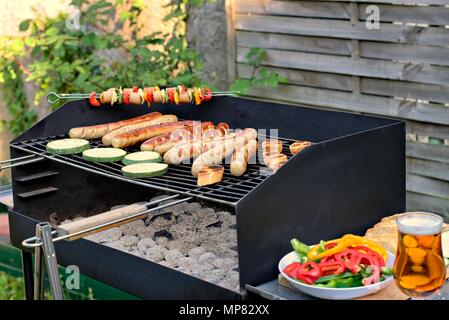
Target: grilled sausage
{"x": 98, "y": 131}
{"x": 223, "y": 127}
{"x": 107, "y": 138}
{"x": 223, "y": 149}
{"x": 183, "y": 152}
{"x": 130, "y": 138}
{"x": 167, "y": 141}
{"x": 241, "y": 157}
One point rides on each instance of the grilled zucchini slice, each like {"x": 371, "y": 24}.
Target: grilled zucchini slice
{"x": 104, "y": 155}
{"x": 144, "y": 170}
{"x": 68, "y": 146}
{"x": 141, "y": 157}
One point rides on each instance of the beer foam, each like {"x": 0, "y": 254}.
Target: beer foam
{"x": 420, "y": 223}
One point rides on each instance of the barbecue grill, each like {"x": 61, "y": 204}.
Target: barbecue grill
{"x": 351, "y": 176}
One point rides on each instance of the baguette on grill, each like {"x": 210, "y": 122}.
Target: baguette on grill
{"x": 107, "y": 138}
{"x": 98, "y": 131}
{"x": 210, "y": 175}
{"x": 130, "y": 138}
{"x": 224, "y": 148}
{"x": 241, "y": 156}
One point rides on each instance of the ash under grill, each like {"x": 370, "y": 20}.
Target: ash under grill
{"x": 178, "y": 179}
{"x": 192, "y": 238}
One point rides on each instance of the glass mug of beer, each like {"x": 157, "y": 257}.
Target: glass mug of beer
{"x": 419, "y": 268}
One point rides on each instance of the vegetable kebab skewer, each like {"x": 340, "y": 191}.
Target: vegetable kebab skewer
{"x": 138, "y": 96}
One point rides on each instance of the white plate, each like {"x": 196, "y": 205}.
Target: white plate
{"x": 334, "y": 293}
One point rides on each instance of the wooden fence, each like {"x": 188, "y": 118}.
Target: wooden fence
{"x": 333, "y": 60}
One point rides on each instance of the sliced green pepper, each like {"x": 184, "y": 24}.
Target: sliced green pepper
{"x": 328, "y": 284}
{"x": 387, "y": 271}
{"x": 335, "y": 276}
{"x": 299, "y": 247}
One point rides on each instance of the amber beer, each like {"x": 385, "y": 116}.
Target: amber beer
{"x": 419, "y": 268}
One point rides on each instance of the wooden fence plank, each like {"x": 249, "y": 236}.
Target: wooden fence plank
{"x": 343, "y": 29}
{"x": 336, "y": 10}
{"x": 356, "y": 103}
{"x": 433, "y": 2}
{"x": 420, "y": 202}
{"x": 405, "y": 52}
{"x": 359, "y": 67}
{"x": 368, "y": 49}
{"x": 435, "y": 152}
{"x": 434, "y": 93}
{"x": 433, "y": 169}
{"x": 391, "y": 88}
{"x": 294, "y": 43}
{"x": 294, "y": 8}
{"x": 429, "y": 186}
{"x": 427, "y": 129}
{"x": 301, "y": 77}
{"x": 395, "y": 13}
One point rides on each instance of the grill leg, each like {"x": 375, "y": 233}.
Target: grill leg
{"x": 27, "y": 268}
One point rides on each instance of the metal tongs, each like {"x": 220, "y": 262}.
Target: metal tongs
{"x": 43, "y": 242}
{"x": 53, "y": 97}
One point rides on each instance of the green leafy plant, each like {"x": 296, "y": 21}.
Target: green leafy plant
{"x": 95, "y": 56}
{"x": 260, "y": 76}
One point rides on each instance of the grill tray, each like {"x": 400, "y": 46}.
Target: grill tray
{"x": 178, "y": 179}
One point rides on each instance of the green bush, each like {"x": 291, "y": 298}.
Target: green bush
{"x": 95, "y": 57}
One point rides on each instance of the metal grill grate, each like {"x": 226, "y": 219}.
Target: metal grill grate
{"x": 178, "y": 179}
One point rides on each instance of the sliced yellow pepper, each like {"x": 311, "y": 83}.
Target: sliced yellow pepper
{"x": 369, "y": 243}
{"x": 196, "y": 95}
{"x": 344, "y": 242}
{"x": 176, "y": 96}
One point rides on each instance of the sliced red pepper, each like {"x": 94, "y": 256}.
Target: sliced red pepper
{"x": 328, "y": 258}
{"x": 374, "y": 277}
{"x": 93, "y": 100}
{"x": 207, "y": 94}
{"x": 135, "y": 89}
{"x": 171, "y": 95}
{"x": 305, "y": 279}
{"x": 330, "y": 245}
{"x": 292, "y": 269}
{"x": 351, "y": 259}
{"x": 376, "y": 256}
{"x": 332, "y": 267}
{"x": 149, "y": 94}
{"x": 183, "y": 88}
{"x": 126, "y": 97}
{"x": 310, "y": 270}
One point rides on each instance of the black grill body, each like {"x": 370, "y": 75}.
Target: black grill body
{"x": 352, "y": 176}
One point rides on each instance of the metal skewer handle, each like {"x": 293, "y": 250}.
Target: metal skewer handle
{"x": 32, "y": 158}
{"x": 103, "y": 221}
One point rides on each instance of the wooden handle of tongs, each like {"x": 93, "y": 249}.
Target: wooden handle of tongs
{"x": 95, "y": 222}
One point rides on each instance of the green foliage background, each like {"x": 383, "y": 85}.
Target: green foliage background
{"x": 97, "y": 56}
